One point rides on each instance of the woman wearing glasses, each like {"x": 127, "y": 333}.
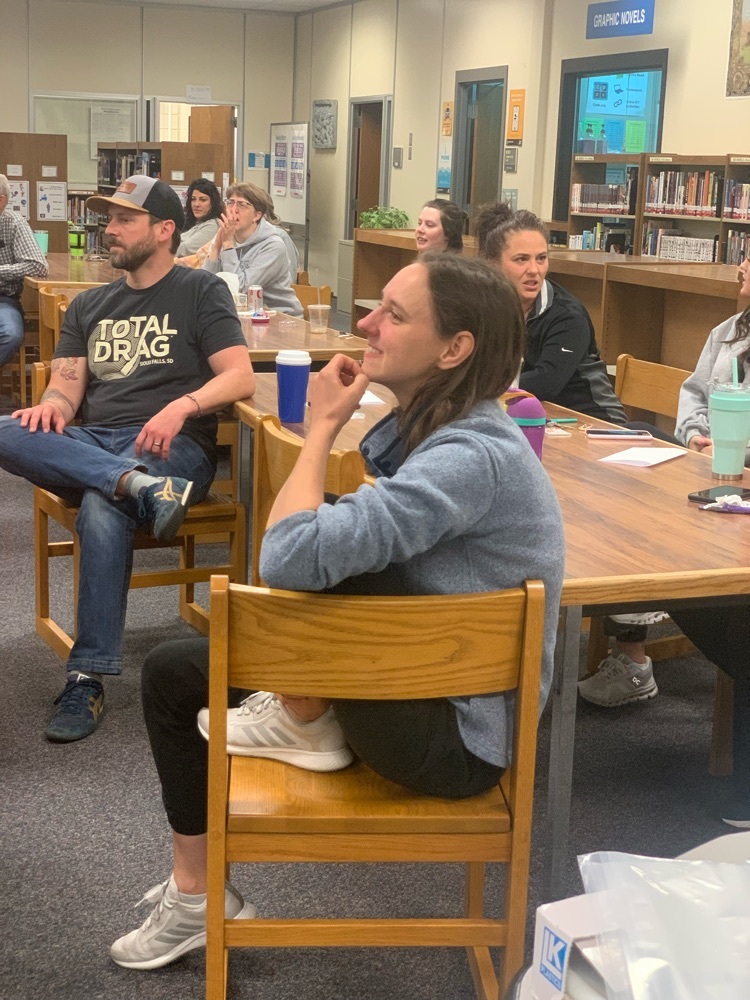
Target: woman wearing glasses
{"x": 250, "y": 247}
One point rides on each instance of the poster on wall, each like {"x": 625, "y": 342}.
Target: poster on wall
{"x": 738, "y": 74}
{"x": 444, "y": 166}
{"x": 280, "y": 164}
{"x": 446, "y": 119}
{"x": 324, "y": 124}
{"x": 297, "y": 163}
{"x": 51, "y": 201}
{"x": 517, "y": 104}
{"x": 109, "y": 123}
{"x": 19, "y": 197}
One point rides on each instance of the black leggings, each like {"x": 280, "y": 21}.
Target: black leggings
{"x": 416, "y": 744}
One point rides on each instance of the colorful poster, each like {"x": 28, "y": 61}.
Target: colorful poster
{"x": 517, "y": 104}
{"x": 280, "y": 165}
{"x": 446, "y": 119}
{"x": 444, "y": 167}
{"x": 19, "y": 197}
{"x": 297, "y": 165}
{"x": 51, "y": 201}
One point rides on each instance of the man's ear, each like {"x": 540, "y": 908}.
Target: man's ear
{"x": 457, "y": 350}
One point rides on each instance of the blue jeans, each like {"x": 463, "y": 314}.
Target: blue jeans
{"x": 83, "y": 465}
{"x": 11, "y": 331}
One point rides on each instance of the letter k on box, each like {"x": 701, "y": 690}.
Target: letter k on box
{"x": 565, "y": 944}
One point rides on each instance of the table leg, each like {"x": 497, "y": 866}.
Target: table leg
{"x": 246, "y": 482}
{"x": 562, "y": 740}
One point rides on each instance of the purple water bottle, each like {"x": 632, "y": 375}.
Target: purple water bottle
{"x": 529, "y": 414}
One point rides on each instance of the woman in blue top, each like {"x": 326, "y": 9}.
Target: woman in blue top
{"x": 461, "y": 504}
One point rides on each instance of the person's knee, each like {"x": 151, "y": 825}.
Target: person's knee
{"x": 11, "y": 333}
{"x": 175, "y": 668}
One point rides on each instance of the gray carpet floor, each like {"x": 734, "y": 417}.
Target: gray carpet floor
{"x": 83, "y": 834}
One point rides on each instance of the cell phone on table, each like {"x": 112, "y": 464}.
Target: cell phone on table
{"x": 605, "y": 433}
{"x": 712, "y": 494}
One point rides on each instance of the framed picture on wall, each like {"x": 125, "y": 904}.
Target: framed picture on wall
{"x": 738, "y": 74}
{"x": 324, "y": 124}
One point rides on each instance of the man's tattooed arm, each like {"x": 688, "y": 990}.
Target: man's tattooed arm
{"x": 65, "y": 368}
{"x": 54, "y": 396}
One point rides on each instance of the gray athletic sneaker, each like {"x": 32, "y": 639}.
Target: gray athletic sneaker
{"x": 262, "y": 727}
{"x": 641, "y": 618}
{"x": 173, "y": 927}
{"x": 618, "y": 681}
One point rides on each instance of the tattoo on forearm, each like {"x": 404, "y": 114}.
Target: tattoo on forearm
{"x": 54, "y": 396}
{"x": 65, "y": 368}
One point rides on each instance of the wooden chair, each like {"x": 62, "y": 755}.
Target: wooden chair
{"x": 51, "y": 297}
{"x": 267, "y": 811}
{"x": 276, "y": 451}
{"x": 217, "y": 518}
{"x": 645, "y": 385}
{"x": 310, "y": 295}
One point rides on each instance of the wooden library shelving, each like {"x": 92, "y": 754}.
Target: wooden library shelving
{"x": 605, "y": 206}
{"x": 38, "y": 159}
{"x": 177, "y": 163}
{"x": 663, "y": 206}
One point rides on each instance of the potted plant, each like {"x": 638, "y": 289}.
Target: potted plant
{"x": 383, "y": 218}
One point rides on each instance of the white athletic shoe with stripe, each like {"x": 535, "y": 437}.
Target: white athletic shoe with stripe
{"x": 262, "y": 727}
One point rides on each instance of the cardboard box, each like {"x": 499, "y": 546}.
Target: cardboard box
{"x": 569, "y": 962}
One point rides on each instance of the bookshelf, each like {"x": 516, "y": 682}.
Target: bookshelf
{"x": 177, "y": 163}
{"x": 735, "y": 220}
{"x": 605, "y": 207}
{"x": 682, "y": 207}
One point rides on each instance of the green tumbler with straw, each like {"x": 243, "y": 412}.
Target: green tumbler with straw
{"x": 729, "y": 420}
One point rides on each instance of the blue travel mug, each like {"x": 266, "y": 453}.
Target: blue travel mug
{"x": 292, "y": 376}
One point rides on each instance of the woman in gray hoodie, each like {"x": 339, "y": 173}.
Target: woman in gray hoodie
{"x": 250, "y": 247}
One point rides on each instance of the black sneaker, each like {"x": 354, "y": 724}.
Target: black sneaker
{"x": 164, "y": 506}
{"x": 79, "y": 709}
{"x": 736, "y": 813}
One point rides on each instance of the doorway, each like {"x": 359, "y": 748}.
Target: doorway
{"x": 182, "y": 121}
{"x": 369, "y": 149}
{"x": 478, "y": 138}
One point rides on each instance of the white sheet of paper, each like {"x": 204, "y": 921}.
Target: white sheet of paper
{"x": 643, "y": 457}
{"x": 369, "y": 397}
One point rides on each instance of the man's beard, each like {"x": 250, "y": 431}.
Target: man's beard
{"x": 135, "y": 256}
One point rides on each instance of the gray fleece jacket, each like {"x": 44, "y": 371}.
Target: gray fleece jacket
{"x": 471, "y": 509}
{"x": 714, "y": 366}
{"x": 193, "y": 239}
{"x": 261, "y": 260}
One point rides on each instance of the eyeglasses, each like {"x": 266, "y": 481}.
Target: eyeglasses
{"x": 233, "y": 203}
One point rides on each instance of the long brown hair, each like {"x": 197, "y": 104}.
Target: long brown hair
{"x": 452, "y": 220}
{"x": 466, "y": 294}
{"x": 742, "y": 332}
{"x": 495, "y": 223}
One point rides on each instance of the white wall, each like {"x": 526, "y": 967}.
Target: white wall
{"x": 103, "y": 47}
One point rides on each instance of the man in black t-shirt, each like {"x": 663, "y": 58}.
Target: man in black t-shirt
{"x": 148, "y": 360}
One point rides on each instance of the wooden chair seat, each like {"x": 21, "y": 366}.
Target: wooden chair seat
{"x": 267, "y": 796}
{"x": 309, "y": 295}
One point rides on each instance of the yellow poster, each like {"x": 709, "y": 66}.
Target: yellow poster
{"x": 446, "y": 121}
{"x": 517, "y": 103}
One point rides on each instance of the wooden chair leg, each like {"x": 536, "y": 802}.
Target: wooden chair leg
{"x": 720, "y": 760}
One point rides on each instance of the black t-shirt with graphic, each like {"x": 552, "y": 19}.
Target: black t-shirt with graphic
{"x": 148, "y": 346}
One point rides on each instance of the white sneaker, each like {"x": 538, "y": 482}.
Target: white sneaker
{"x": 262, "y": 727}
{"x": 174, "y": 927}
{"x": 618, "y": 681}
{"x": 642, "y": 618}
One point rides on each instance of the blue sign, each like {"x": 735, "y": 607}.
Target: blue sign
{"x": 620, "y": 17}
{"x": 554, "y": 951}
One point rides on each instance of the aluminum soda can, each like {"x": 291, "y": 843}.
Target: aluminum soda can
{"x": 255, "y": 298}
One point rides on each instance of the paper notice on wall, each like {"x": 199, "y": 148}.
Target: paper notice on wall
{"x": 280, "y": 165}
{"x": 444, "y": 166}
{"x": 297, "y": 165}
{"x": 110, "y": 123}
{"x": 19, "y": 197}
{"x": 51, "y": 201}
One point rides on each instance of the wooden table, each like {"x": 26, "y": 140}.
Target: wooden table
{"x": 633, "y": 542}
{"x": 265, "y": 340}
{"x": 64, "y": 269}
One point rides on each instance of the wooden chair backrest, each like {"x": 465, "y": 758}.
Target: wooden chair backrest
{"x": 648, "y": 385}
{"x": 310, "y": 295}
{"x": 343, "y": 646}
{"x": 276, "y": 452}
{"x": 51, "y": 296}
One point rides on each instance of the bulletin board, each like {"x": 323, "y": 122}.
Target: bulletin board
{"x": 289, "y": 180}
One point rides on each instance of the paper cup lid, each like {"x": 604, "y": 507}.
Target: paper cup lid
{"x": 293, "y": 358}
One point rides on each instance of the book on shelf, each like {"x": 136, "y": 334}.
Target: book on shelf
{"x": 738, "y": 246}
{"x": 671, "y": 244}
{"x": 737, "y": 200}
{"x": 601, "y": 237}
{"x": 695, "y": 193}
{"x": 607, "y": 199}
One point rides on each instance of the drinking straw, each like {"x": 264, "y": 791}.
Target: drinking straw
{"x": 735, "y": 372}
{"x": 317, "y": 283}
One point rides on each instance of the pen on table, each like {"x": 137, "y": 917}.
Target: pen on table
{"x": 562, "y": 420}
